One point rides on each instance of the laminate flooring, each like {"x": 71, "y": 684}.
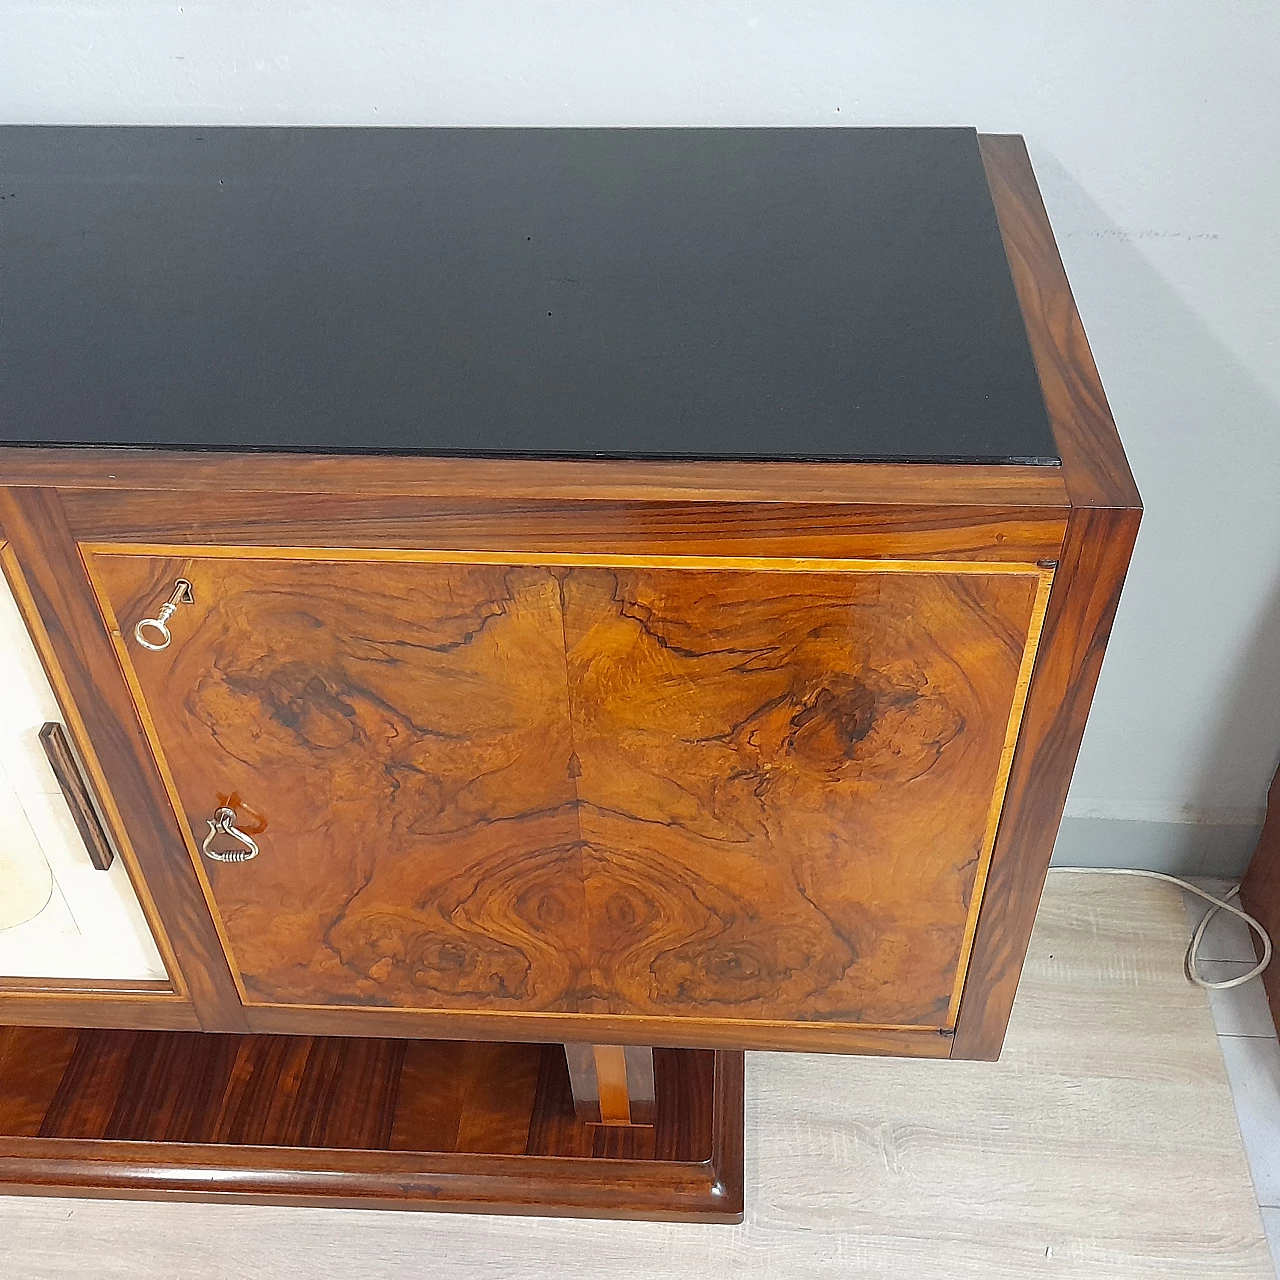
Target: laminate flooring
{"x": 1247, "y": 1036}
{"x": 1103, "y": 1144}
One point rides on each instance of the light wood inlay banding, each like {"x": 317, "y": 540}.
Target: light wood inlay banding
{"x": 525, "y": 785}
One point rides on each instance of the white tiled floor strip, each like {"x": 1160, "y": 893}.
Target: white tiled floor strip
{"x": 1249, "y": 1049}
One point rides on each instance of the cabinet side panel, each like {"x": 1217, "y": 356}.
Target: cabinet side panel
{"x": 1093, "y": 461}
{"x": 1082, "y": 608}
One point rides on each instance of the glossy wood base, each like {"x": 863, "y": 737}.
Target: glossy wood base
{"x": 363, "y": 1123}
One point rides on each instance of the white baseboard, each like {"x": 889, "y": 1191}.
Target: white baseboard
{"x": 1176, "y": 848}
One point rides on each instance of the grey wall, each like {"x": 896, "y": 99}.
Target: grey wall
{"x": 1153, "y": 129}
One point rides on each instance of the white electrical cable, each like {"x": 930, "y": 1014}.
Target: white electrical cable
{"x": 1192, "y": 958}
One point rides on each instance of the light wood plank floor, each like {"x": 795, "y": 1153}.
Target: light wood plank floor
{"x": 1104, "y": 1144}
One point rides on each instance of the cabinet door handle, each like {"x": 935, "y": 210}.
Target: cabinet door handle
{"x": 84, "y": 813}
{"x": 159, "y": 625}
{"x": 223, "y": 823}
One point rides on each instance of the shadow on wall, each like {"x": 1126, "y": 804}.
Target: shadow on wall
{"x": 1185, "y": 731}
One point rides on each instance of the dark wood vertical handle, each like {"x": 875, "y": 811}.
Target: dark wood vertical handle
{"x": 66, "y": 768}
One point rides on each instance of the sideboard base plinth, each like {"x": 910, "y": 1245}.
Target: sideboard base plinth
{"x": 361, "y": 1123}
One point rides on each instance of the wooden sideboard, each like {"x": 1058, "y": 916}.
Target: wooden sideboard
{"x": 415, "y": 768}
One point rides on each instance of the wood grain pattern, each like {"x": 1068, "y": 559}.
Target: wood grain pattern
{"x": 1100, "y": 537}
{"x": 33, "y": 1061}
{"x": 398, "y": 744}
{"x": 746, "y": 510}
{"x": 583, "y": 1080}
{"x": 1094, "y": 466}
{"x": 518, "y": 479}
{"x": 1260, "y": 889}
{"x": 466, "y": 1096}
{"x": 817, "y": 749}
{"x": 43, "y": 1004}
{"x": 784, "y": 527}
{"x": 103, "y": 986}
{"x": 84, "y": 812}
{"x": 1106, "y": 1134}
{"x": 368, "y": 1122}
{"x": 45, "y": 572}
{"x": 695, "y": 792}
{"x": 676, "y": 1030}
{"x": 1082, "y": 609}
{"x": 611, "y": 1083}
{"x": 640, "y": 1081}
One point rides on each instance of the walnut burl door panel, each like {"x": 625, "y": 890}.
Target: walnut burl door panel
{"x": 395, "y": 738}
{"x": 733, "y": 790}
{"x": 787, "y": 784}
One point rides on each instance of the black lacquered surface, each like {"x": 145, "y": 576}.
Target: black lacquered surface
{"x": 701, "y": 293}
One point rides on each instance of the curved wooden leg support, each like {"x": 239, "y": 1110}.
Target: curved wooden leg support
{"x": 612, "y": 1083}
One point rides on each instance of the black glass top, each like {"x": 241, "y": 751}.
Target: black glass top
{"x": 635, "y": 293}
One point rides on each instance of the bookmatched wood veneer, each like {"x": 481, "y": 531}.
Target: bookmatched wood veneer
{"x": 587, "y": 544}
{"x": 526, "y": 789}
